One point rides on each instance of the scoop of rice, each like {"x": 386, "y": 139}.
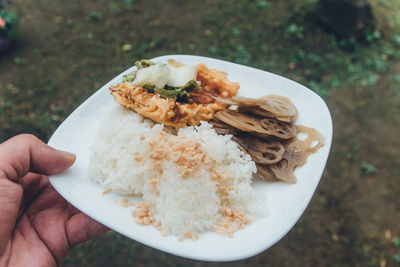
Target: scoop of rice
{"x": 191, "y": 182}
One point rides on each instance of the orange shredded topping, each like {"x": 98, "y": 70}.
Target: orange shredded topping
{"x": 186, "y": 154}
{"x": 107, "y": 191}
{"x": 233, "y": 219}
{"x": 143, "y": 214}
{"x": 126, "y": 203}
{"x": 191, "y": 235}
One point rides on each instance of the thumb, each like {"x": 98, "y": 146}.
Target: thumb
{"x": 26, "y": 153}
{"x": 18, "y": 156}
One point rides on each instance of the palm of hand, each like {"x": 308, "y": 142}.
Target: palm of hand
{"x": 46, "y": 226}
{"x": 37, "y": 226}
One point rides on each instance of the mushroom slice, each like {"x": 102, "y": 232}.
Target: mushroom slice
{"x": 222, "y": 128}
{"x": 268, "y": 157}
{"x": 241, "y": 121}
{"x": 310, "y": 144}
{"x": 284, "y": 169}
{"x": 219, "y": 124}
{"x": 265, "y": 172}
{"x": 296, "y": 153}
{"x": 242, "y": 146}
{"x": 223, "y": 131}
{"x": 245, "y": 101}
{"x": 227, "y": 101}
{"x": 280, "y": 106}
{"x": 278, "y": 128}
{"x": 255, "y": 110}
{"x": 261, "y": 151}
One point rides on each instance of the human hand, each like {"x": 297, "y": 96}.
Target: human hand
{"x": 37, "y": 226}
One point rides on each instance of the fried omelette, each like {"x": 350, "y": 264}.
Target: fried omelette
{"x": 200, "y": 105}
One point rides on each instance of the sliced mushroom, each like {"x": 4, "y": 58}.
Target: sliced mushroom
{"x": 283, "y": 170}
{"x": 223, "y": 131}
{"x": 296, "y": 153}
{"x": 227, "y": 101}
{"x": 313, "y": 141}
{"x": 245, "y": 101}
{"x": 265, "y": 172}
{"x": 261, "y": 151}
{"x": 278, "y": 128}
{"x": 258, "y": 125}
{"x": 220, "y": 124}
{"x": 222, "y": 128}
{"x": 258, "y": 144}
{"x": 241, "y": 144}
{"x": 241, "y": 121}
{"x": 255, "y": 110}
{"x": 267, "y": 157}
{"x": 280, "y": 106}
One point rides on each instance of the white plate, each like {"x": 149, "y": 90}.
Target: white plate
{"x": 285, "y": 203}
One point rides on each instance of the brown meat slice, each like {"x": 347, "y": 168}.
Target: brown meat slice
{"x": 296, "y": 153}
{"x": 241, "y": 121}
{"x": 282, "y": 130}
{"x": 261, "y": 151}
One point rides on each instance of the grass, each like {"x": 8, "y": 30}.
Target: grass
{"x": 66, "y": 51}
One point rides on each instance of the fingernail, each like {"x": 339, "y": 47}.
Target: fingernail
{"x": 68, "y": 155}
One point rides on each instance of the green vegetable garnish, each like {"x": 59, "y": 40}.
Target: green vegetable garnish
{"x": 129, "y": 77}
{"x": 144, "y": 63}
{"x": 150, "y": 87}
{"x": 179, "y": 93}
{"x": 191, "y": 86}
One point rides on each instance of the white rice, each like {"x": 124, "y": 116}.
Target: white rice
{"x": 123, "y": 159}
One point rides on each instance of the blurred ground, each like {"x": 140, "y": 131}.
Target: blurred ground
{"x": 66, "y": 51}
